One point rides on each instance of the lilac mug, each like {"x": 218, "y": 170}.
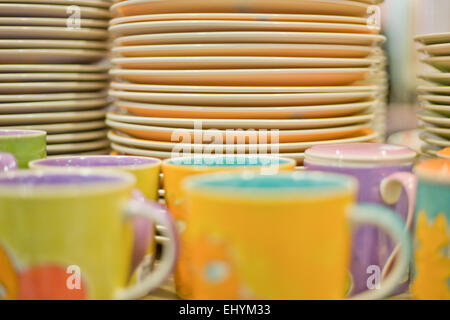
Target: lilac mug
{"x": 7, "y": 162}
{"x": 384, "y": 175}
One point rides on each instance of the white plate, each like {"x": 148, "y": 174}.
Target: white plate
{"x": 52, "y": 44}
{"x": 434, "y": 140}
{"x": 50, "y": 117}
{"x": 52, "y": 68}
{"x": 41, "y": 87}
{"x": 238, "y": 62}
{"x": 284, "y": 147}
{"x": 24, "y": 32}
{"x": 239, "y": 16}
{"x": 440, "y": 63}
{"x": 251, "y": 77}
{"x": 88, "y": 3}
{"x": 54, "y": 149}
{"x": 442, "y": 49}
{"x": 444, "y": 90}
{"x": 75, "y": 137}
{"x": 442, "y": 109}
{"x": 234, "y": 89}
{"x": 43, "y": 56}
{"x": 241, "y": 123}
{"x": 51, "y": 96}
{"x": 52, "y": 106}
{"x": 290, "y": 112}
{"x": 443, "y": 132}
{"x": 434, "y": 118}
{"x": 330, "y": 7}
{"x": 57, "y": 22}
{"x": 435, "y": 98}
{"x": 54, "y": 76}
{"x": 434, "y": 38}
{"x": 49, "y": 10}
{"x": 242, "y": 49}
{"x": 174, "y": 26}
{"x": 243, "y": 99}
{"x": 255, "y": 37}
{"x": 62, "y": 127}
{"x": 442, "y": 78}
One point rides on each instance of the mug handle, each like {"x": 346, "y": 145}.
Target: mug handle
{"x": 386, "y": 219}
{"x": 390, "y": 190}
{"x": 7, "y": 162}
{"x": 155, "y": 278}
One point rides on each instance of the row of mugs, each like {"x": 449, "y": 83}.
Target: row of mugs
{"x": 245, "y": 230}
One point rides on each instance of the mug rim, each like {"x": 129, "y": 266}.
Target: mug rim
{"x": 15, "y": 133}
{"x": 434, "y": 176}
{"x": 40, "y": 163}
{"x": 124, "y": 180}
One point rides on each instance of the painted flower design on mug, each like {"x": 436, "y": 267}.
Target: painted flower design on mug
{"x": 432, "y": 259}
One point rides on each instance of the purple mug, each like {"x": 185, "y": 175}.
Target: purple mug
{"x": 7, "y": 162}
{"x": 384, "y": 175}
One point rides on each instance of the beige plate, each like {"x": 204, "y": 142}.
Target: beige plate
{"x": 75, "y": 137}
{"x": 431, "y": 150}
{"x": 445, "y": 90}
{"x": 238, "y": 77}
{"x": 37, "y": 56}
{"x": 243, "y": 99}
{"x": 52, "y": 68}
{"x": 56, "y": 22}
{"x": 328, "y": 7}
{"x": 87, "y": 3}
{"x": 442, "y": 49}
{"x": 62, "y": 127}
{"x": 54, "y": 76}
{"x": 49, "y": 10}
{"x": 174, "y": 26}
{"x": 434, "y": 38}
{"x": 441, "y": 63}
{"x": 434, "y": 118}
{"x": 52, "y": 44}
{"x": 240, "y": 16}
{"x": 442, "y": 99}
{"x": 53, "y": 149}
{"x": 434, "y": 140}
{"x": 24, "y": 32}
{"x": 41, "y": 87}
{"x": 51, "y": 96}
{"x": 234, "y": 89}
{"x": 442, "y": 78}
{"x": 442, "y": 109}
{"x": 50, "y": 117}
{"x": 443, "y": 132}
{"x": 238, "y": 62}
{"x": 244, "y": 49}
{"x": 242, "y": 123}
{"x": 254, "y": 37}
{"x": 284, "y": 147}
{"x": 290, "y": 112}
{"x": 52, "y": 106}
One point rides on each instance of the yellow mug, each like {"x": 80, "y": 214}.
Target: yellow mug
{"x": 283, "y": 236}
{"x": 176, "y": 169}
{"x": 68, "y": 235}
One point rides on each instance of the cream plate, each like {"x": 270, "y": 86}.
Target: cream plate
{"x": 24, "y": 32}
{"x": 57, "y": 22}
{"x": 434, "y": 140}
{"x": 243, "y": 99}
{"x": 285, "y": 147}
{"x": 445, "y": 90}
{"x": 52, "y": 68}
{"x": 49, "y": 10}
{"x": 135, "y": 49}
{"x": 41, "y": 87}
{"x": 442, "y": 109}
{"x": 174, "y": 134}
{"x": 37, "y": 56}
{"x": 434, "y": 38}
{"x": 442, "y": 49}
{"x": 434, "y": 118}
{"x": 441, "y": 63}
{"x": 237, "y": 77}
{"x": 62, "y": 127}
{"x": 327, "y": 7}
{"x": 442, "y": 78}
{"x": 52, "y": 106}
{"x": 67, "y": 76}
{"x": 88, "y": 3}
{"x": 443, "y": 132}
{"x": 240, "y": 16}
{"x": 290, "y": 112}
{"x": 241, "y": 123}
{"x": 431, "y": 150}
{"x": 50, "y": 117}
{"x": 53, "y": 149}
{"x": 174, "y": 26}
{"x": 255, "y": 37}
{"x": 75, "y": 137}
{"x": 238, "y": 62}
{"x": 51, "y": 96}
{"x": 52, "y": 44}
{"x": 234, "y": 89}
{"x": 442, "y": 99}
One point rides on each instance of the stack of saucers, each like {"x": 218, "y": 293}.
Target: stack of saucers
{"x": 434, "y": 92}
{"x": 53, "y": 76}
{"x": 197, "y": 76}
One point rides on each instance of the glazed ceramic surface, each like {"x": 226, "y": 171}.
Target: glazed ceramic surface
{"x": 7, "y": 162}
{"x": 24, "y": 145}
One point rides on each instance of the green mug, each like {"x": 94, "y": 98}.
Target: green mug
{"x": 24, "y": 145}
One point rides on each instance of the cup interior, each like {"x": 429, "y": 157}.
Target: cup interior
{"x": 228, "y": 161}
{"x": 18, "y": 133}
{"x": 95, "y": 161}
{"x": 36, "y": 179}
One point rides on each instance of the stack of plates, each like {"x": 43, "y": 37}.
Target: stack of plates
{"x": 197, "y": 72}
{"x": 434, "y": 93}
{"x": 50, "y": 73}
